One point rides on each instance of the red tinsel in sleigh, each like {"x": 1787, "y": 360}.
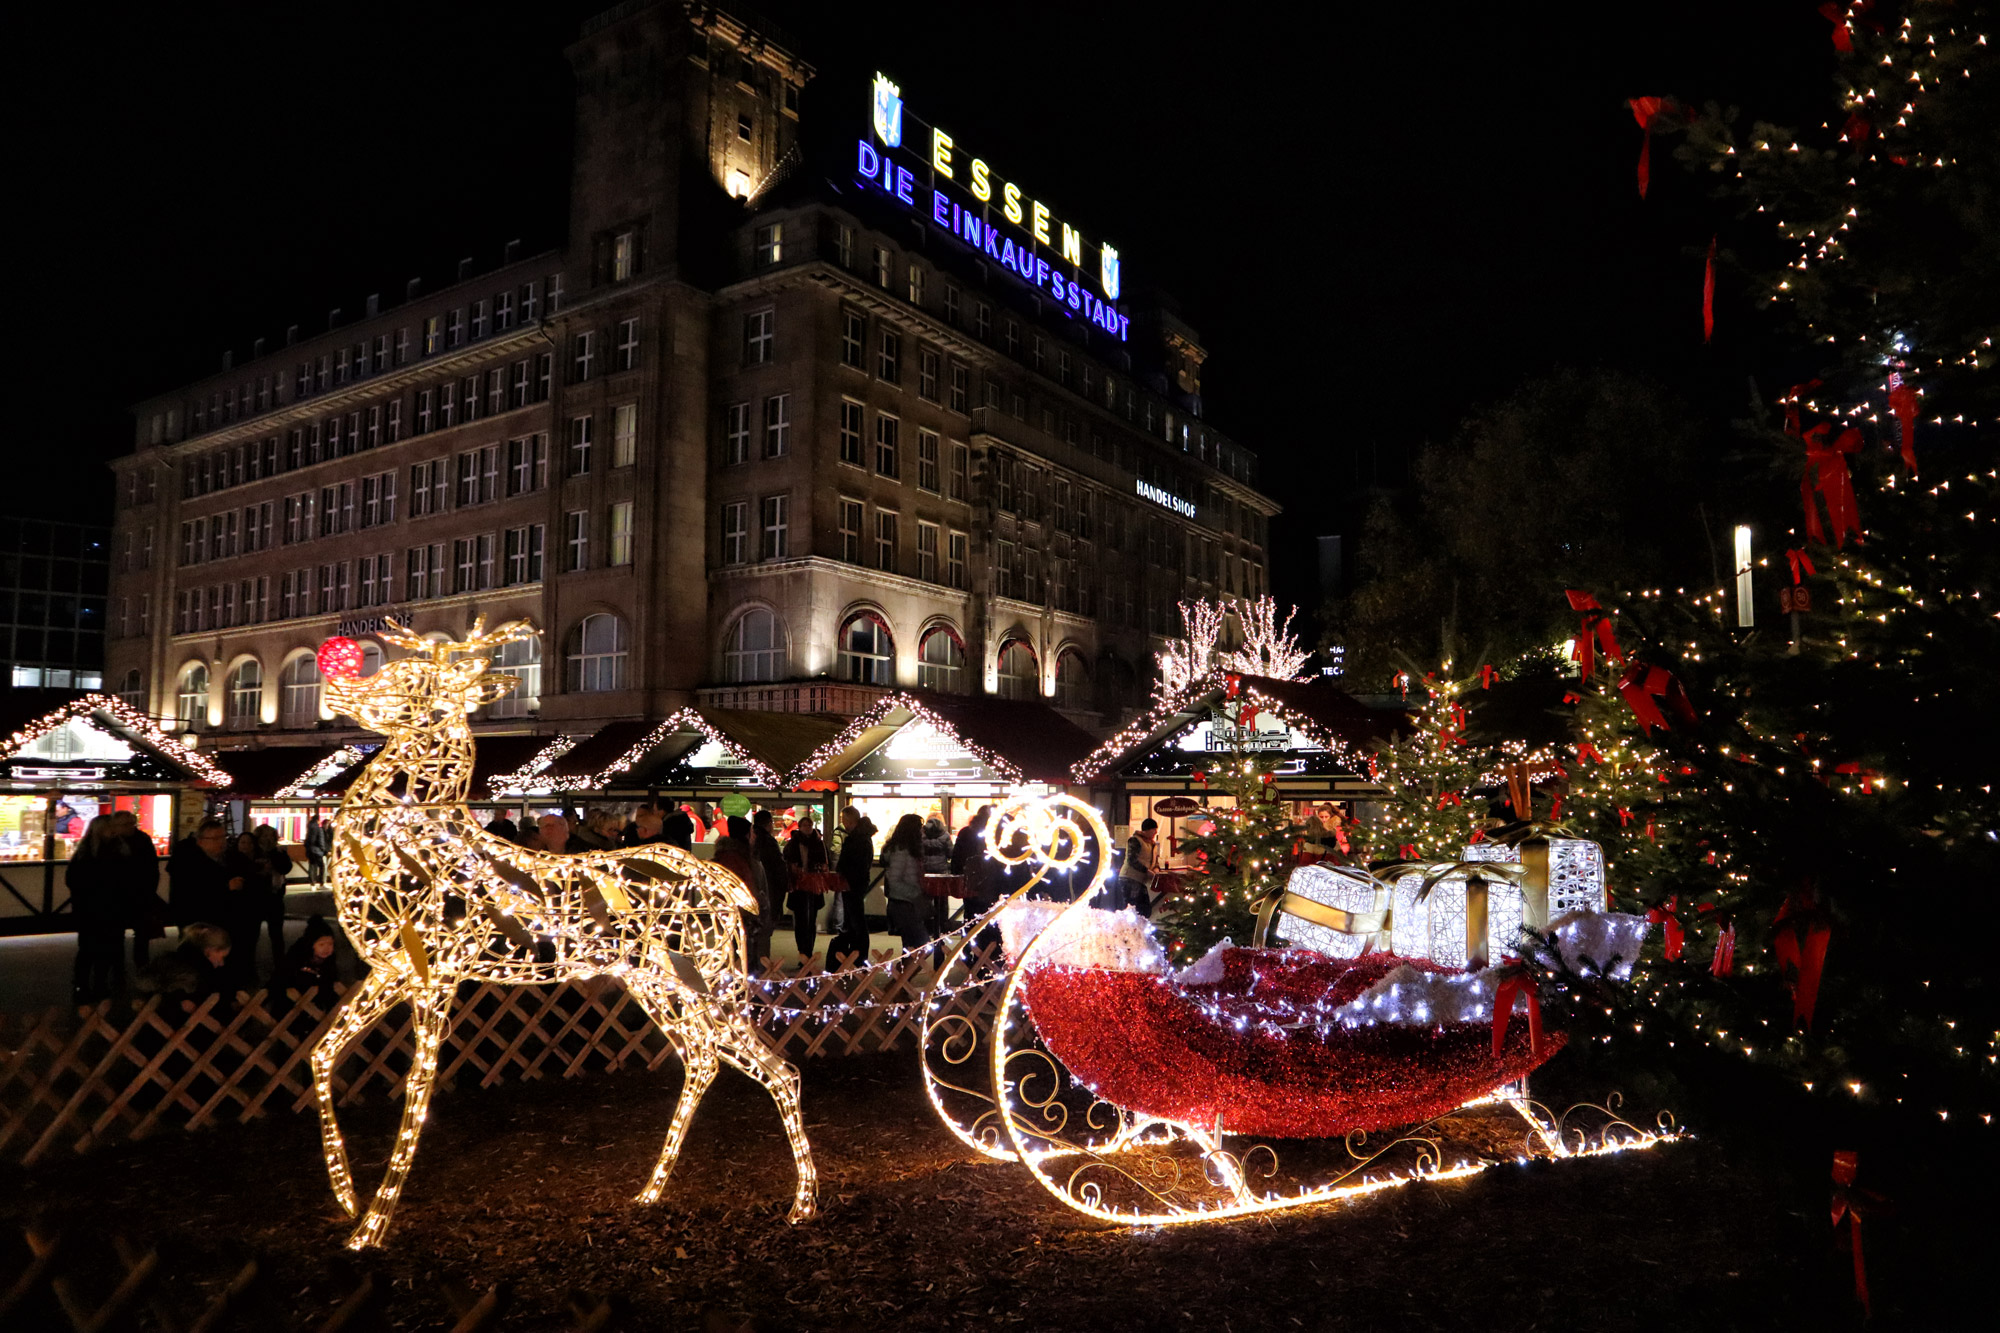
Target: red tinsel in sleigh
{"x": 1257, "y": 1050}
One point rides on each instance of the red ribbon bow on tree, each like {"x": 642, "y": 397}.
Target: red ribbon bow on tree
{"x": 1804, "y": 929}
{"x": 1869, "y": 777}
{"x": 1800, "y": 561}
{"x": 1646, "y": 110}
{"x": 1673, "y": 934}
{"x": 1449, "y": 798}
{"x": 1826, "y": 472}
{"x": 1516, "y": 981}
{"x": 1903, "y": 402}
{"x": 1847, "y": 1207}
{"x": 1593, "y": 631}
{"x": 1641, "y": 683}
{"x": 1843, "y": 37}
{"x": 1708, "y": 294}
{"x": 1232, "y": 685}
{"x": 1588, "y": 750}
{"x": 1724, "y": 962}
{"x": 1487, "y": 675}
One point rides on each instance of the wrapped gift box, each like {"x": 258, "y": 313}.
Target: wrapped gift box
{"x": 1353, "y": 921}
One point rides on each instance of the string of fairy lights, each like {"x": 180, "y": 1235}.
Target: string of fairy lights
{"x": 128, "y": 718}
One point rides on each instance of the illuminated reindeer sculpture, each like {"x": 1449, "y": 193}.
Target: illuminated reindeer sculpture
{"x": 430, "y": 899}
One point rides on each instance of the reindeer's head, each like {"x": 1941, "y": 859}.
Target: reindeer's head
{"x": 440, "y": 681}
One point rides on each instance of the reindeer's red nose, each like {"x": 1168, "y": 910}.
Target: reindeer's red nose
{"x": 339, "y": 659}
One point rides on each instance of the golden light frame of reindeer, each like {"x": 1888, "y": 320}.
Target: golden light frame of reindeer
{"x": 1085, "y": 1150}
{"x": 429, "y": 899}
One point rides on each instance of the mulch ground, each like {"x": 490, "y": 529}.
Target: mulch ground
{"x": 530, "y": 1187}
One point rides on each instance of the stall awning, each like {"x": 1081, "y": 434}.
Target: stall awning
{"x": 1314, "y": 729}
{"x": 261, "y": 774}
{"x": 1009, "y": 740}
{"x": 694, "y": 748}
{"x": 57, "y": 737}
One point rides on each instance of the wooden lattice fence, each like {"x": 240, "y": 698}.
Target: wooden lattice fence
{"x": 70, "y": 1082}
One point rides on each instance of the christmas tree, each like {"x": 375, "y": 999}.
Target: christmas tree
{"x": 1427, "y": 775}
{"x": 1243, "y": 853}
{"x": 1825, "y": 831}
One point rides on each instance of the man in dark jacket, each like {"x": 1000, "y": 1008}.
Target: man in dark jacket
{"x": 204, "y": 874}
{"x": 857, "y": 859}
{"x": 678, "y": 829}
{"x": 777, "y": 874}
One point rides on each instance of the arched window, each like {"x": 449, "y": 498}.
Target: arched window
{"x": 133, "y": 691}
{"x": 371, "y": 657}
{"x": 246, "y": 694}
{"x": 941, "y": 661}
{"x": 192, "y": 703}
{"x": 298, "y": 689}
{"x": 755, "y": 649}
{"x": 867, "y": 653}
{"x": 1020, "y": 675}
{"x": 597, "y": 651}
{"x": 521, "y": 659}
{"x": 1072, "y": 681}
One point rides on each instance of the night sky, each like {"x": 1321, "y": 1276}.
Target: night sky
{"x": 1378, "y": 217}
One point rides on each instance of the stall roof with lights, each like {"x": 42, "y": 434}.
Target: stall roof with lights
{"x": 1318, "y": 731}
{"x": 62, "y": 737}
{"x": 262, "y": 773}
{"x": 694, "y": 749}
{"x": 1012, "y": 740}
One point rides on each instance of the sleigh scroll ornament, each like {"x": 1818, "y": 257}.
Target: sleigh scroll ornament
{"x": 429, "y": 899}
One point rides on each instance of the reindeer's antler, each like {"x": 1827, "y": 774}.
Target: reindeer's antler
{"x": 403, "y": 637}
{"x": 476, "y": 639}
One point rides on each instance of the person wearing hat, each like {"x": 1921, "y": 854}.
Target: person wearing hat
{"x": 1135, "y": 876}
{"x": 310, "y": 964}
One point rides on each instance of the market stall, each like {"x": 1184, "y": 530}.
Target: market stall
{"x": 67, "y": 758}
{"x": 1317, "y": 734}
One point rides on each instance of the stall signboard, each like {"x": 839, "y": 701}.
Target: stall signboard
{"x": 709, "y": 764}
{"x": 1266, "y": 733}
{"x": 919, "y": 752}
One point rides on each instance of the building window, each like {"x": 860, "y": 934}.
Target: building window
{"x": 755, "y": 649}
{"x": 850, "y": 433}
{"x": 941, "y": 661}
{"x": 246, "y": 694}
{"x": 850, "y": 531}
{"x": 770, "y": 244}
{"x": 191, "y": 703}
{"x": 950, "y": 304}
{"x": 927, "y": 552}
{"x": 621, "y": 533}
{"x": 743, "y": 127}
{"x": 853, "y": 338}
{"x": 1037, "y": 351}
{"x": 433, "y": 336}
{"x": 627, "y": 350}
{"x": 886, "y": 428}
{"x": 777, "y": 524}
{"x": 882, "y": 266}
{"x": 1012, "y": 338}
{"x": 583, "y": 354}
{"x": 624, "y": 255}
{"x": 576, "y": 541}
{"x": 579, "y": 445}
{"x": 982, "y": 320}
{"x": 757, "y": 339}
{"x": 777, "y": 425}
{"x": 1020, "y": 678}
{"x": 927, "y": 460}
{"x": 597, "y": 653}
{"x": 527, "y": 464}
{"x": 735, "y": 532}
{"x": 885, "y": 540}
{"x": 521, "y": 659}
{"x": 843, "y": 245}
{"x": 300, "y": 687}
{"x": 927, "y": 374}
{"x": 624, "y": 435}
{"x": 954, "y": 565}
{"x": 1072, "y": 681}
{"x": 889, "y": 363}
{"x": 523, "y": 556}
{"x": 867, "y": 653}
{"x": 916, "y": 284}
{"x": 736, "y": 433}
{"x": 133, "y": 691}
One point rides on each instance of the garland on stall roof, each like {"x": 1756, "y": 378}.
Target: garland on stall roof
{"x": 306, "y": 786}
{"x": 687, "y": 719}
{"x": 889, "y": 703}
{"x": 128, "y": 717}
{"x": 523, "y": 780}
{"x": 1096, "y": 764}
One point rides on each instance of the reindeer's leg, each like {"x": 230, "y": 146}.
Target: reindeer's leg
{"x": 744, "y": 1048}
{"x": 431, "y": 1018}
{"x": 697, "y": 1053}
{"x": 358, "y": 1013}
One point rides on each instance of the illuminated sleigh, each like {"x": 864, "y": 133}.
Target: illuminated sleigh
{"x": 1128, "y": 1091}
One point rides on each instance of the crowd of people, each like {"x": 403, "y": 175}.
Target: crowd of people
{"x": 226, "y": 893}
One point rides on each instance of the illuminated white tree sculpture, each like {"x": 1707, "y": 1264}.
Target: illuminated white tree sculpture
{"x": 429, "y": 899}
{"x": 1269, "y": 648}
{"x": 1191, "y": 657}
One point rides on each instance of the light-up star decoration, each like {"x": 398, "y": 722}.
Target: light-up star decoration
{"x": 429, "y": 899}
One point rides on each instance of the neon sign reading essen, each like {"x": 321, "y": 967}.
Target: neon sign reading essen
{"x": 1165, "y": 499}
{"x": 974, "y": 225}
